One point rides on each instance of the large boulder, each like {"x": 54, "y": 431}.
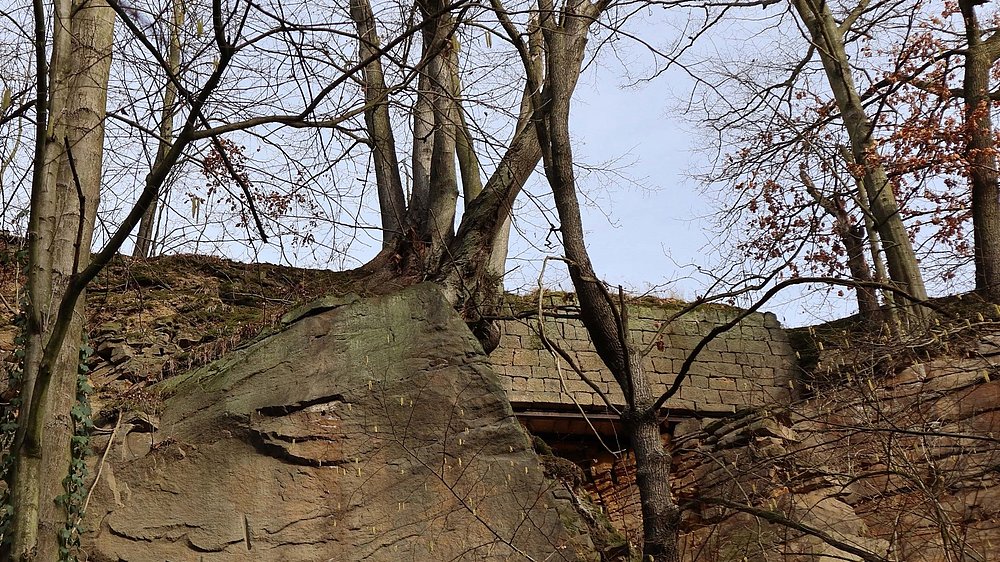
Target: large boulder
{"x": 363, "y": 430}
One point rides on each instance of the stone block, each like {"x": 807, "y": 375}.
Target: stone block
{"x": 779, "y": 348}
{"x": 683, "y": 342}
{"x": 714, "y": 408}
{"x": 669, "y": 352}
{"x": 681, "y": 403}
{"x": 576, "y": 385}
{"x": 771, "y": 320}
{"x": 616, "y": 396}
{"x": 718, "y": 345}
{"x": 517, "y": 329}
{"x": 509, "y": 343}
{"x": 658, "y": 388}
{"x": 697, "y": 368}
{"x": 709, "y": 356}
{"x": 502, "y": 356}
{"x": 513, "y": 371}
{"x": 535, "y": 385}
{"x": 722, "y": 383}
{"x": 507, "y": 383}
{"x": 729, "y": 369}
{"x": 524, "y": 358}
{"x": 566, "y": 331}
{"x": 548, "y": 361}
{"x": 552, "y": 397}
{"x": 735, "y": 346}
{"x": 662, "y": 365}
{"x": 520, "y": 396}
{"x": 777, "y": 334}
{"x": 756, "y": 346}
{"x": 553, "y": 329}
{"x": 683, "y": 327}
{"x": 699, "y": 381}
{"x": 590, "y": 362}
{"x": 700, "y": 395}
{"x": 577, "y": 345}
{"x": 647, "y": 312}
{"x": 733, "y": 397}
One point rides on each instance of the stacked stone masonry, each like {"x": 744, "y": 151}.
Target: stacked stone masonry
{"x": 750, "y": 365}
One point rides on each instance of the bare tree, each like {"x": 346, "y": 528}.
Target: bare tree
{"x": 604, "y": 318}
{"x": 145, "y": 238}
{"x": 980, "y": 55}
{"x": 69, "y": 108}
{"x": 827, "y": 36}
{"x": 420, "y": 242}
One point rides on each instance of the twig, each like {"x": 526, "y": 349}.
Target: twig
{"x": 100, "y": 467}
{"x": 6, "y": 305}
{"x": 562, "y": 380}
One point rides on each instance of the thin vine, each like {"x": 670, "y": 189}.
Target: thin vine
{"x": 75, "y": 481}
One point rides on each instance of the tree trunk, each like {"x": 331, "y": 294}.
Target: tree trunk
{"x": 392, "y": 204}
{"x": 146, "y": 236}
{"x": 438, "y": 228}
{"x": 660, "y": 515}
{"x": 902, "y": 262}
{"x": 423, "y": 144}
{"x": 854, "y": 243}
{"x": 981, "y": 152}
{"x": 605, "y": 322}
{"x": 64, "y": 206}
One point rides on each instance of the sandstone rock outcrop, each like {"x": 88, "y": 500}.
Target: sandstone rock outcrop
{"x": 900, "y": 468}
{"x": 364, "y": 430}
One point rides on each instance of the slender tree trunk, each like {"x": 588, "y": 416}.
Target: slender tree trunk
{"x": 829, "y": 40}
{"x": 64, "y": 206}
{"x": 391, "y": 200}
{"x": 146, "y": 236}
{"x": 982, "y": 153}
{"x": 465, "y": 150}
{"x": 660, "y": 515}
{"x": 889, "y": 314}
{"x": 423, "y": 145}
{"x": 605, "y": 322}
{"x": 485, "y": 217}
{"x": 438, "y": 229}
{"x": 854, "y": 243}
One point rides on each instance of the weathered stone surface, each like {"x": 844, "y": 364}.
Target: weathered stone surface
{"x": 372, "y": 431}
{"x": 876, "y": 465}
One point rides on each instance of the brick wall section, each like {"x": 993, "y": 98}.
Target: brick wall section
{"x": 750, "y": 365}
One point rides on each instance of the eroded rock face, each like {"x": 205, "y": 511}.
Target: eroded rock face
{"x": 370, "y": 430}
{"x": 903, "y": 467}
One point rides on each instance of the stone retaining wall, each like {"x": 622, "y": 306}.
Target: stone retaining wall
{"x": 750, "y": 365}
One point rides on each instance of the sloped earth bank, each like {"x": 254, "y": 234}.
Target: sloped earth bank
{"x": 362, "y": 430}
